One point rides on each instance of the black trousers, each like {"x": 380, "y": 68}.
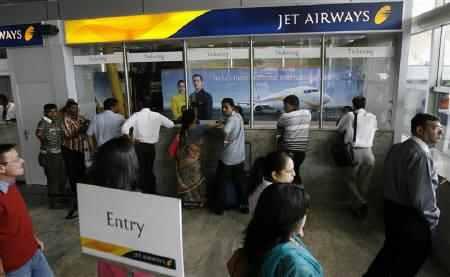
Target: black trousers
{"x": 146, "y": 156}
{"x": 225, "y": 174}
{"x": 55, "y": 171}
{"x": 407, "y": 243}
{"x": 75, "y": 167}
{"x": 75, "y": 170}
{"x": 298, "y": 157}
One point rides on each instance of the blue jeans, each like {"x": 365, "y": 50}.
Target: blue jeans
{"x": 37, "y": 266}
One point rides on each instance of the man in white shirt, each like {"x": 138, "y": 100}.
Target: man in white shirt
{"x": 365, "y": 125}
{"x": 106, "y": 125}
{"x": 146, "y": 125}
{"x": 7, "y": 109}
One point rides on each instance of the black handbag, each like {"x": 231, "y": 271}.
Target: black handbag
{"x": 343, "y": 152}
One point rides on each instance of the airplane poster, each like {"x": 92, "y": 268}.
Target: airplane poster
{"x": 271, "y": 86}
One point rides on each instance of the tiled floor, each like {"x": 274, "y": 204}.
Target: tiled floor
{"x": 343, "y": 246}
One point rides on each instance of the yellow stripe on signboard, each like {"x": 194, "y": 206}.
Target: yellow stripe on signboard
{"x": 104, "y": 246}
{"x": 128, "y": 28}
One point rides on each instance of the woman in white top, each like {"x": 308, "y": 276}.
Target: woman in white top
{"x": 276, "y": 167}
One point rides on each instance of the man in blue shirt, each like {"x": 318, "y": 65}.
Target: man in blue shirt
{"x": 105, "y": 125}
{"x": 231, "y": 164}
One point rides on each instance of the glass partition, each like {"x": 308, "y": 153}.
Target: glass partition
{"x": 221, "y": 68}
{"x": 99, "y": 75}
{"x": 417, "y": 80}
{"x": 285, "y": 66}
{"x": 422, "y": 6}
{"x": 444, "y": 79}
{"x": 359, "y": 65}
{"x": 154, "y": 71}
{"x": 218, "y": 68}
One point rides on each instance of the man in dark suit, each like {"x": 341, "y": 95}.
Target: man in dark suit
{"x": 411, "y": 213}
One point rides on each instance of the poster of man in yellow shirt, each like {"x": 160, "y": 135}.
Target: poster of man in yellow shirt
{"x": 178, "y": 101}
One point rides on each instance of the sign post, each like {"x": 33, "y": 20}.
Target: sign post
{"x": 139, "y": 230}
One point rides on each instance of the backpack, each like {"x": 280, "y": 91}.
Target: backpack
{"x": 343, "y": 152}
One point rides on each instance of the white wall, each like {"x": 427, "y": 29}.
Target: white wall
{"x": 39, "y": 75}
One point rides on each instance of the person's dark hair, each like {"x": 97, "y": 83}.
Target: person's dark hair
{"x": 264, "y": 166}
{"x": 292, "y": 100}
{"x": 4, "y": 102}
{"x": 48, "y": 107}
{"x": 359, "y": 102}
{"x": 5, "y": 148}
{"x": 278, "y": 214}
{"x": 69, "y": 103}
{"x": 180, "y": 81}
{"x": 115, "y": 165}
{"x": 421, "y": 119}
{"x": 109, "y": 103}
{"x": 228, "y": 101}
{"x": 347, "y": 109}
{"x": 197, "y": 75}
{"x": 147, "y": 102}
{"x": 187, "y": 118}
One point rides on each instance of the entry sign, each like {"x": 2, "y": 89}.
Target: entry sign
{"x": 20, "y": 35}
{"x": 140, "y": 230}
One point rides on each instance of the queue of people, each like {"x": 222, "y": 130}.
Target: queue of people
{"x": 124, "y": 159}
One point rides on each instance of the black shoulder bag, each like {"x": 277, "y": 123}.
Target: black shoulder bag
{"x": 343, "y": 152}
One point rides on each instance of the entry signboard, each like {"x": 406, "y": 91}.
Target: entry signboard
{"x": 139, "y": 230}
{"x": 21, "y": 35}
{"x": 325, "y": 18}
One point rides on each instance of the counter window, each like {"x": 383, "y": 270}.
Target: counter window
{"x": 359, "y": 65}
{"x": 218, "y": 69}
{"x": 285, "y": 66}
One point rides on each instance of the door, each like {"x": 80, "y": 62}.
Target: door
{"x": 31, "y": 90}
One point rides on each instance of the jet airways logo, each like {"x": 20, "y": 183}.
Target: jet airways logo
{"x": 335, "y": 17}
{"x": 17, "y": 34}
{"x": 383, "y": 14}
{"x": 29, "y": 33}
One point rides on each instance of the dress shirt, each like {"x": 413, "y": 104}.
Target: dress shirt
{"x": 105, "y": 126}
{"x": 234, "y": 143}
{"x": 10, "y": 111}
{"x": 411, "y": 178}
{"x": 365, "y": 129}
{"x": 146, "y": 124}
{"x": 4, "y": 186}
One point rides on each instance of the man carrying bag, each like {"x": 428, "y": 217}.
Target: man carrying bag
{"x": 358, "y": 129}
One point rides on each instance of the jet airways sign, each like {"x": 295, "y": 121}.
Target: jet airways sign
{"x": 344, "y": 17}
{"x": 364, "y": 17}
{"x": 20, "y": 35}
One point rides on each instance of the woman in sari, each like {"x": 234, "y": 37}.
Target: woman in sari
{"x": 190, "y": 179}
{"x": 272, "y": 244}
{"x": 116, "y": 166}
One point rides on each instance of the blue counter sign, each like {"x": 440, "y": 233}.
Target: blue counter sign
{"x": 20, "y": 35}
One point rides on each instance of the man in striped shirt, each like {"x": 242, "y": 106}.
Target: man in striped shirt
{"x": 293, "y": 126}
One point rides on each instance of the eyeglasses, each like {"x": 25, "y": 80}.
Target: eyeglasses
{"x": 13, "y": 161}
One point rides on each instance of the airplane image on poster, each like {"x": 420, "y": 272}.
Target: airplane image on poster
{"x": 309, "y": 98}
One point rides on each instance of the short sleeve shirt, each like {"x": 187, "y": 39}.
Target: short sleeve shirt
{"x": 52, "y": 136}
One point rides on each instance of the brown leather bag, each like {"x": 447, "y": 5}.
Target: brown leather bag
{"x": 237, "y": 265}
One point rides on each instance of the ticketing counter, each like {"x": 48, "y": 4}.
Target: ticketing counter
{"x": 324, "y": 54}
